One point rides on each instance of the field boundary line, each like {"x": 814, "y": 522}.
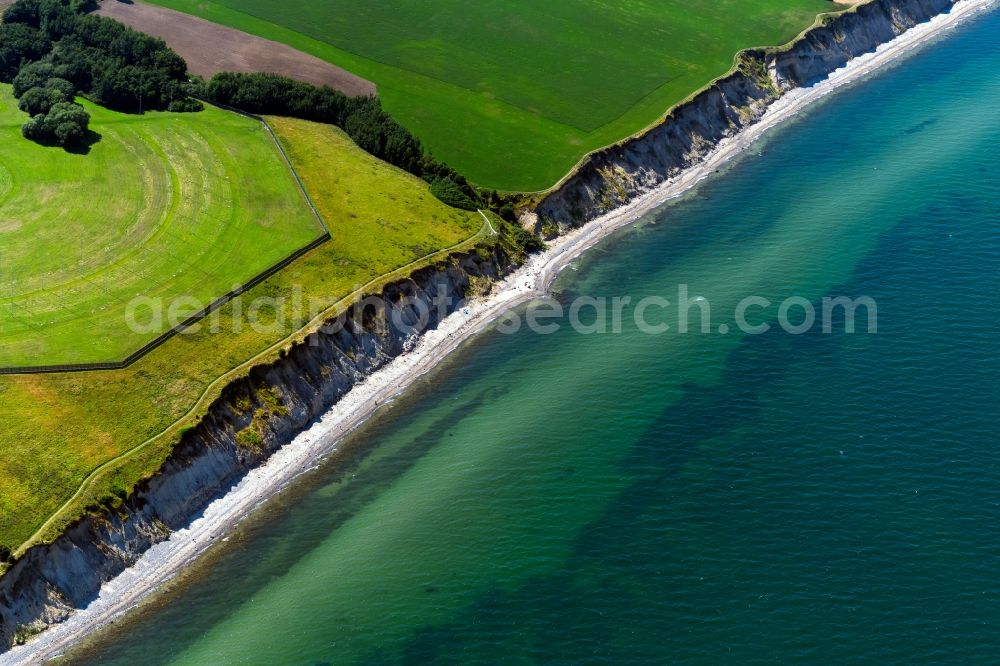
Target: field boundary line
{"x": 537, "y": 196}
{"x": 311, "y": 327}
{"x": 281, "y": 150}
{"x": 211, "y": 307}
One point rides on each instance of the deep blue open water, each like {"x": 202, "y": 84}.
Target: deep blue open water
{"x": 632, "y": 498}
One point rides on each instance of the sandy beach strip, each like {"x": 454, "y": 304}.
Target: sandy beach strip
{"x": 164, "y": 561}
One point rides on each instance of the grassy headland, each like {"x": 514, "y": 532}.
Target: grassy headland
{"x": 58, "y": 429}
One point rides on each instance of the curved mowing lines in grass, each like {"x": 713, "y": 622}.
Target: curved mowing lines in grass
{"x": 162, "y": 194}
{"x": 6, "y": 186}
{"x": 112, "y": 207}
{"x": 188, "y": 200}
{"x": 247, "y": 206}
{"x": 193, "y": 193}
{"x": 149, "y": 207}
{"x": 128, "y": 242}
{"x": 153, "y": 180}
{"x": 165, "y": 205}
{"x": 227, "y": 171}
{"x": 176, "y": 185}
{"x": 170, "y": 251}
{"x": 199, "y": 199}
{"x": 221, "y": 179}
{"x": 149, "y": 219}
{"x": 53, "y": 267}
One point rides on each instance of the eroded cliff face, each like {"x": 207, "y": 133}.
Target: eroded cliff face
{"x": 258, "y": 415}
{"x": 252, "y": 419}
{"x": 613, "y": 176}
{"x": 827, "y": 48}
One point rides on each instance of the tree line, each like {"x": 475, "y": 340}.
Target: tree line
{"x": 362, "y": 118}
{"x": 54, "y": 50}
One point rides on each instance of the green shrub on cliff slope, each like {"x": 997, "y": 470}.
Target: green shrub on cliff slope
{"x": 449, "y": 192}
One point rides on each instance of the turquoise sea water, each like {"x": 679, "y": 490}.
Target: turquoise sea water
{"x": 628, "y": 498}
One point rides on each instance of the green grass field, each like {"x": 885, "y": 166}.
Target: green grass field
{"x": 57, "y": 429}
{"x": 163, "y": 206}
{"x": 513, "y": 93}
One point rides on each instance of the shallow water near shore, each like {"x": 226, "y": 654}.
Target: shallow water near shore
{"x": 626, "y": 497}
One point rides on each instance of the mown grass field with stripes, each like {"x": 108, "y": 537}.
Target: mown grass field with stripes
{"x": 56, "y": 429}
{"x": 162, "y": 206}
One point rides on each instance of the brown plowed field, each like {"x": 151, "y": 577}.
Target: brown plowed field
{"x": 209, "y": 48}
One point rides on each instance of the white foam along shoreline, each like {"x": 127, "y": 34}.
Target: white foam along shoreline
{"x": 165, "y": 560}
